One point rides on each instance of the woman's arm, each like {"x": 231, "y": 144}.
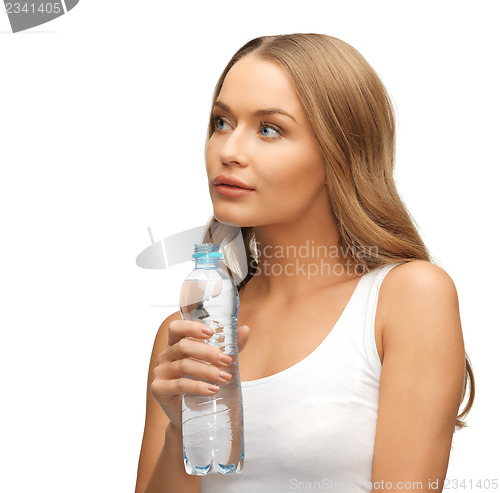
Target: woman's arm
{"x": 161, "y": 466}
{"x": 422, "y": 378}
{"x": 168, "y": 474}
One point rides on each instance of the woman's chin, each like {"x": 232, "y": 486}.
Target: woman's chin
{"x": 229, "y": 221}
{"x": 232, "y": 220}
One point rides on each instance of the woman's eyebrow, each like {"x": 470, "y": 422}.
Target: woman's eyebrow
{"x": 267, "y": 111}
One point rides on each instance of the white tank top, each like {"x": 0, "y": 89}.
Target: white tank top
{"x": 312, "y": 426}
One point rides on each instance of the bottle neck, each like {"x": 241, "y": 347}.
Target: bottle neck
{"x": 207, "y": 263}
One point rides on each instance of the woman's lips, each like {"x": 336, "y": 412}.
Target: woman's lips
{"x": 230, "y": 191}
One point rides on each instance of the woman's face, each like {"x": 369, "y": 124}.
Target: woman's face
{"x": 263, "y": 139}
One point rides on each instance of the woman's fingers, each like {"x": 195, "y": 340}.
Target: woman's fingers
{"x": 187, "y": 367}
{"x": 178, "y": 329}
{"x": 189, "y": 376}
{"x": 188, "y": 348}
{"x": 163, "y": 390}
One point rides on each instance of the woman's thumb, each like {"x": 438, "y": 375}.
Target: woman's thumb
{"x": 243, "y": 334}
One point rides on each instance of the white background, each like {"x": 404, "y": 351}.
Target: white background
{"x": 103, "y": 114}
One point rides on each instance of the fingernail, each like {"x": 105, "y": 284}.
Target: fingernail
{"x": 225, "y": 358}
{"x": 213, "y": 388}
{"x": 225, "y": 376}
{"x": 208, "y": 331}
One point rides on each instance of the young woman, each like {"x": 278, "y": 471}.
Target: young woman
{"x": 351, "y": 350}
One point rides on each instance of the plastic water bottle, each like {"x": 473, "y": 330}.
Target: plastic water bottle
{"x": 212, "y": 426}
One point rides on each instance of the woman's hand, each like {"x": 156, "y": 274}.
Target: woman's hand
{"x": 187, "y": 355}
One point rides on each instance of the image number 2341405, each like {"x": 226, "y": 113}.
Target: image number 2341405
{"x": 28, "y": 14}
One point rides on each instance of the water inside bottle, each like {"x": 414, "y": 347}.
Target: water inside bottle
{"x": 212, "y": 426}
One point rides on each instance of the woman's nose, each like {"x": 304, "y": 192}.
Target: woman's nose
{"x": 235, "y": 149}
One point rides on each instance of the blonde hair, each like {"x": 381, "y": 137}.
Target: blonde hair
{"x": 352, "y": 116}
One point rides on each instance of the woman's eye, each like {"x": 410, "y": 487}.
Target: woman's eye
{"x": 269, "y": 131}
{"x": 219, "y": 123}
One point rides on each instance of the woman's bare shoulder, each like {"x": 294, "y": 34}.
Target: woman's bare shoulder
{"x": 417, "y": 276}
{"x": 423, "y": 371}
{"x": 411, "y": 289}
{"x": 417, "y": 270}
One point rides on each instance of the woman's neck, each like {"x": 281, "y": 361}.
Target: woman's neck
{"x": 300, "y": 257}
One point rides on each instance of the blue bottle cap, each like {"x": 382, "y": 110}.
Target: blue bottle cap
{"x": 207, "y": 250}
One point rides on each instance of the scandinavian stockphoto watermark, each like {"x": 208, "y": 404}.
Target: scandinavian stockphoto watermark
{"x": 399, "y": 486}
{"x": 24, "y": 15}
{"x": 342, "y": 486}
{"x": 307, "y": 260}
{"x": 310, "y": 260}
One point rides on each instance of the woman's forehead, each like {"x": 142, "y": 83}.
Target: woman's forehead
{"x": 259, "y": 84}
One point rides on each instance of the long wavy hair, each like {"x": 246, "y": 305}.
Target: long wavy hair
{"x": 352, "y": 116}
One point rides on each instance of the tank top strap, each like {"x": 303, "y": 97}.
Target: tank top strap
{"x": 377, "y": 276}
{"x": 370, "y": 289}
